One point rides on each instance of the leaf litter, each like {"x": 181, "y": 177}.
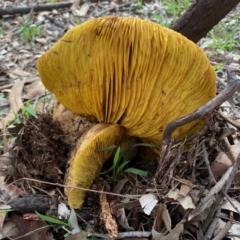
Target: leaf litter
{"x": 38, "y": 148}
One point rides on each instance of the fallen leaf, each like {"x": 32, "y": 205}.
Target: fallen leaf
{"x": 175, "y": 232}
{"x": 148, "y": 202}
{"x": 158, "y": 224}
{"x": 75, "y": 4}
{"x": 15, "y": 101}
{"x": 26, "y": 226}
{"x": 184, "y": 190}
{"x": 228, "y": 206}
{"x": 9, "y": 229}
{"x": 22, "y": 73}
{"x": 84, "y": 10}
{"x": 166, "y": 218}
{"x": 77, "y": 236}
{"x": 186, "y": 202}
{"x": 123, "y": 221}
{"x": 235, "y": 230}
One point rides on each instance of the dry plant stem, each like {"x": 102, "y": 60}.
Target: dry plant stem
{"x": 223, "y": 232}
{"x": 212, "y": 226}
{"x": 121, "y": 235}
{"x": 34, "y": 8}
{"x": 226, "y": 181}
{"x": 228, "y": 120}
{"x": 212, "y": 179}
{"x": 114, "y": 8}
{"x": 216, "y": 205}
{"x": 135, "y": 197}
{"x": 228, "y": 150}
{"x": 205, "y": 154}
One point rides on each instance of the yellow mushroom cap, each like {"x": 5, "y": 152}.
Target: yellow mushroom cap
{"x": 130, "y": 72}
{"x": 130, "y": 75}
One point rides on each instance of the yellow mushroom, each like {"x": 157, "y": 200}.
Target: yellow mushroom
{"x": 131, "y": 74}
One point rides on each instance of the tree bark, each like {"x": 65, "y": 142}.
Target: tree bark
{"x": 202, "y": 16}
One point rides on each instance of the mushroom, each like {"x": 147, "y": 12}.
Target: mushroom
{"x": 132, "y": 76}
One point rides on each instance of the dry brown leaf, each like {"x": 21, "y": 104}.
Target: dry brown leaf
{"x": 22, "y": 73}
{"x": 175, "y": 232}
{"x": 107, "y": 218}
{"x": 15, "y": 102}
{"x": 119, "y": 186}
{"x": 26, "y": 226}
{"x": 35, "y": 89}
{"x": 83, "y": 10}
{"x": 166, "y": 218}
{"x": 237, "y": 177}
{"x": 123, "y": 221}
{"x": 184, "y": 190}
{"x": 186, "y": 202}
{"x": 9, "y": 229}
{"x": 77, "y": 236}
{"x": 157, "y": 229}
{"x": 222, "y": 162}
{"x": 75, "y": 4}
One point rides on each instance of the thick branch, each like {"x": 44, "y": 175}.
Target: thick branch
{"x": 202, "y": 16}
{"x": 35, "y": 8}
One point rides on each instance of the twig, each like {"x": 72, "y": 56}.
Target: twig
{"x": 34, "y": 8}
{"x": 136, "y": 197}
{"x": 228, "y": 120}
{"x": 212, "y": 177}
{"x": 223, "y": 232}
{"x": 212, "y": 226}
{"x": 216, "y": 205}
{"x": 226, "y": 181}
{"x": 132, "y": 234}
{"x": 114, "y": 8}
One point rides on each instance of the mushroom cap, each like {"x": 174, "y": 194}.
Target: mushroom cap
{"x": 130, "y": 72}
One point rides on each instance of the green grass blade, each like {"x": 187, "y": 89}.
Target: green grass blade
{"x": 136, "y": 171}
{"x": 116, "y": 158}
{"x": 120, "y": 168}
{"x": 52, "y": 220}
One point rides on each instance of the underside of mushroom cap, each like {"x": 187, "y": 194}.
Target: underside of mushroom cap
{"x": 130, "y": 72}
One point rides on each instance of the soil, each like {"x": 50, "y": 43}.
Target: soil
{"x": 40, "y": 152}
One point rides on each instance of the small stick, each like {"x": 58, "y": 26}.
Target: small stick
{"x": 228, "y": 120}
{"x": 226, "y": 181}
{"x": 34, "y": 8}
{"x": 212, "y": 226}
{"x": 223, "y": 232}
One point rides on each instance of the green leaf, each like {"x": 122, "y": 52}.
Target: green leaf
{"x": 120, "y": 168}
{"x": 116, "y": 158}
{"x": 52, "y": 220}
{"x": 31, "y": 111}
{"x": 136, "y": 171}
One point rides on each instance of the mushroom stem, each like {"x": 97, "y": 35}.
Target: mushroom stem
{"x": 88, "y": 158}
